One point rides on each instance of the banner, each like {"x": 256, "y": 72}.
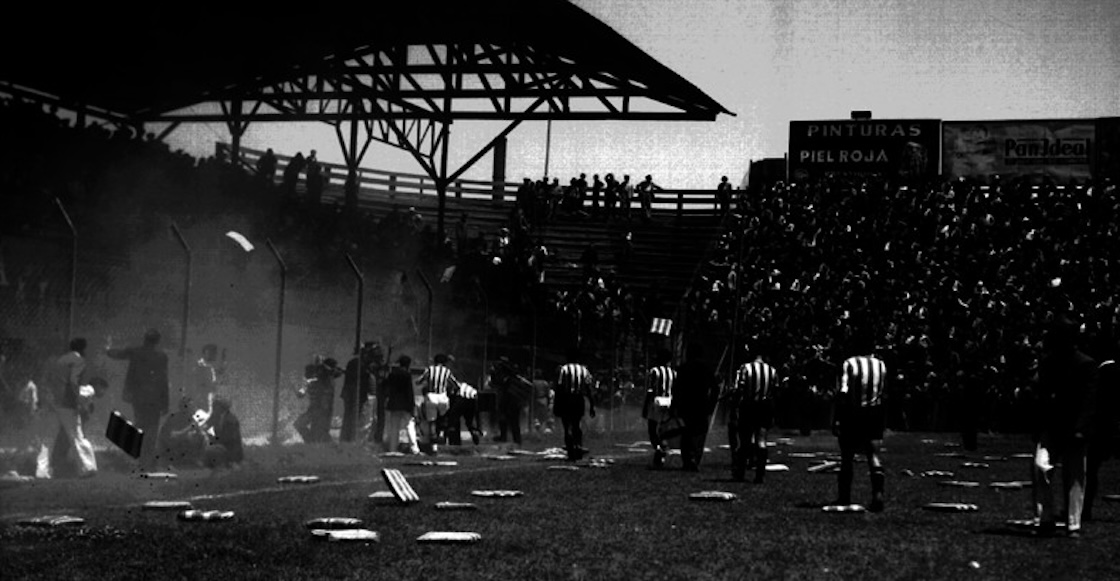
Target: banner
{"x": 1108, "y": 149}
{"x": 1060, "y": 149}
{"x": 892, "y": 148}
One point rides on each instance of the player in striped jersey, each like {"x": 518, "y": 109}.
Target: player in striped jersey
{"x": 659, "y": 394}
{"x": 574, "y": 382}
{"x": 756, "y": 384}
{"x": 437, "y": 383}
{"x": 860, "y": 420}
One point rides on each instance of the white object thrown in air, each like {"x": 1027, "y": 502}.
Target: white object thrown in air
{"x": 241, "y": 240}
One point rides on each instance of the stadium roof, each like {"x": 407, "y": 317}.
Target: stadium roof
{"x": 143, "y": 65}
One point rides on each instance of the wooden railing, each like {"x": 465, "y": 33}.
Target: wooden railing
{"x": 381, "y": 185}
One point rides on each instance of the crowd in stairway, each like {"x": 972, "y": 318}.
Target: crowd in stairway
{"x": 955, "y": 277}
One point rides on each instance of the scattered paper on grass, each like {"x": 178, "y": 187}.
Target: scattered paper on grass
{"x": 333, "y": 523}
{"x": 1011, "y": 485}
{"x": 716, "y": 495}
{"x": 950, "y": 507}
{"x": 450, "y": 537}
{"x": 206, "y": 515}
{"x": 52, "y": 520}
{"x": 347, "y": 535}
{"x": 497, "y": 493}
{"x": 456, "y": 506}
{"x": 159, "y": 475}
{"x": 777, "y": 468}
{"x": 568, "y": 467}
{"x": 843, "y": 508}
{"x": 167, "y": 505}
{"x": 300, "y": 479}
{"x": 960, "y": 483}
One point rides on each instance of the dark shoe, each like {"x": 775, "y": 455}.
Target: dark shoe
{"x": 876, "y": 505}
{"x": 1046, "y": 530}
{"x": 739, "y": 476}
{"x": 1074, "y": 534}
{"x": 691, "y": 468}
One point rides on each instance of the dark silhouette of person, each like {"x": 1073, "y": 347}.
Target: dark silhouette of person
{"x": 146, "y": 389}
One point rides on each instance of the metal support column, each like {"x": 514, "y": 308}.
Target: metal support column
{"x": 186, "y": 307}
{"x": 279, "y": 344}
{"x": 73, "y": 269}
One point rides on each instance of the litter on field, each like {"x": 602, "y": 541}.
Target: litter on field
{"x": 713, "y": 495}
{"x": 1022, "y": 456}
{"x": 206, "y": 515}
{"x": 432, "y": 463}
{"x": 1030, "y": 523}
{"x": 950, "y": 507}
{"x": 159, "y": 475}
{"x": 499, "y": 457}
{"x": 333, "y": 523}
{"x": 824, "y": 467}
{"x": 393, "y": 455}
{"x": 777, "y": 468}
{"x": 449, "y": 537}
{"x": 399, "y": 485}
{"x": 167, "y": 505}
{"x": 1111, "y": 497}
{"x": 802, "y": 455}
{"x": 456, "y": 506}
{"x": 299, "y": 479}
{"x": 568, "y": 467}
{"x": 979, "y": 465}
{"x": 497, "y": 493}
{"x": 844, "y": 508}
{"x": 960, "y": 483}
{"x": 936, "y": 474}
{"x": 382, "y": 495}
{"x": 347, "y": 535}
{"x": 52, "y": 520}
{"x": 1011, "y": 485}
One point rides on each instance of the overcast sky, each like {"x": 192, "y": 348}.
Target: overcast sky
{"x": 773, "y": 61}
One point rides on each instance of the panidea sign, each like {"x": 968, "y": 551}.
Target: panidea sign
{"x": 1060, "y": 149}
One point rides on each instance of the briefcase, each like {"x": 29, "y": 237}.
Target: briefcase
{"x": 126, "y": 436}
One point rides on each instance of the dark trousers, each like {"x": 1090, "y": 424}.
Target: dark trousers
{"x": 1099, "y": 451}
{"x": 147, "y": 420}
{"x": 314, "y": 424}
{"x": 462, "y": 408}
{"x": 573, "y": 435}
{"x": 849, "y": 447}
{"x": 692, "y": 440}
{"x": 509, "y": 419}
{"x": 351, "y": 415}
{"x": 377, "y": 434}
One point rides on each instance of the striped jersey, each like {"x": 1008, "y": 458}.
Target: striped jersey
{"x": 756, "y": 381}
{"x": 438, "y": 379}
{"x": 574, "y": 379}
{"x": 864, "y": 379}
{"x": 661, "y": 379}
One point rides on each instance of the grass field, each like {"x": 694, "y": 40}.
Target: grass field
{"x": 619, "y": 522}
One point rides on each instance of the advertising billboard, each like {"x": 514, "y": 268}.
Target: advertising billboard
{"x": 906, "y": 148}
{"x": 1057, "y": 148}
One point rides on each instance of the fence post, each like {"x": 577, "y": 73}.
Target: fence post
{"x": 279, "y": 344}
{"x": 73, "y": 269}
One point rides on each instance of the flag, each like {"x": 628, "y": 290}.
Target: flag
{"x": 122, "y": 433}
{"x": 661, "y": 326}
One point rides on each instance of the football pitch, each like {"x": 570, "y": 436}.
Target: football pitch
{"x": 613, "y": 520}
